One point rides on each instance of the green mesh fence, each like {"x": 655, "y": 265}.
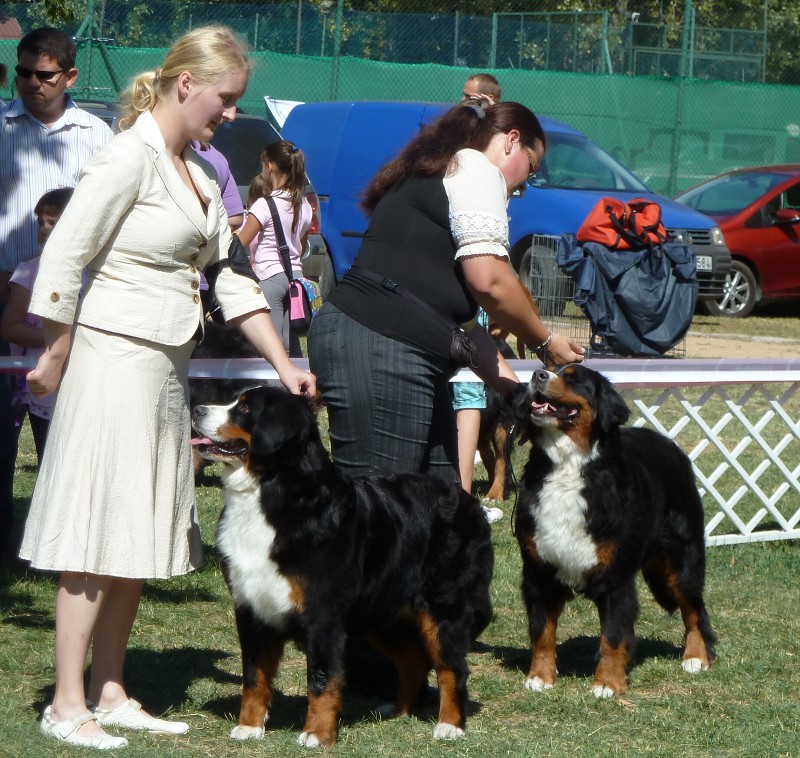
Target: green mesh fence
{"x": 587, "y": 69}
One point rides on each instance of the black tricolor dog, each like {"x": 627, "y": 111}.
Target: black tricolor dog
{"x": 597, "y": 504}
{"x": 311, "y": 556}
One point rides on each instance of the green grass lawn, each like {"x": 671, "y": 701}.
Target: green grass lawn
{"x": 184, "y": 660}
{"x": 780, "y": 319}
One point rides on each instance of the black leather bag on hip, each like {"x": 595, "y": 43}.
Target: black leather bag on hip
{"x": 462, "y": 350}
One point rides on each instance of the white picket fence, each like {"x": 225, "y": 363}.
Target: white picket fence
{"x": 738, "y": 420}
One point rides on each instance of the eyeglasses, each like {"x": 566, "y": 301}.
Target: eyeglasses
{"x": 533, "y": 164}
{"x": 42, "y": 76}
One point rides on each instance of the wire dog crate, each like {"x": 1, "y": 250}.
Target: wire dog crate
{"x": 553, "y": 292}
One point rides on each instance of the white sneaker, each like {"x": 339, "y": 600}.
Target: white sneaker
{"x": 129, "y": 716}
{"x": 67, "y": 732}
{"x": 492, "y": 514}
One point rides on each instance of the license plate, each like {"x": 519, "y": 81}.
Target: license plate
{"x": 704, "y": 263}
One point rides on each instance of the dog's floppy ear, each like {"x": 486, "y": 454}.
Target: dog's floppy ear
{"x": 612, "y": 410}
{"x": 282, "y": 420}
{"x": 519, "y": 400}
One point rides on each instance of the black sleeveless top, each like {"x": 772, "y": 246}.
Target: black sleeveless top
{"x": 408, "y": 240}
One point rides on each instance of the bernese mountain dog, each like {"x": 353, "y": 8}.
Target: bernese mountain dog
{"x": 597, "y": 504}
{"x": 312, "y": 556}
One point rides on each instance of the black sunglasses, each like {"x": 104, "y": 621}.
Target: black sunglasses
{"x": 42, "y": 76}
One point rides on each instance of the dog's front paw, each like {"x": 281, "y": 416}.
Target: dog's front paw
{"x": 694, "y": 665}
{"x": 308, "y": 739}
{"x": 602, "y": 691}
{"x": 444, "y": 731}
{"x": 242, "y": 732}
{"x": 537, "y": 684}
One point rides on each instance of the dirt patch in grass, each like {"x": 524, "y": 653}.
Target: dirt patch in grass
{"x": 736, "y": 346}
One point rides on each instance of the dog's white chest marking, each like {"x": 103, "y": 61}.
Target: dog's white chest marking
{"x": 560, "y": 514}
{"x": 245, "y": 538}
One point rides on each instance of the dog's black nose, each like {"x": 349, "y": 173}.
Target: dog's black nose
{"x": 199, "y": 410}
{"x": 540, "y": 376}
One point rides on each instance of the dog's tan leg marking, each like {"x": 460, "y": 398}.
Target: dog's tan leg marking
{"x": 257, "y": 699}
{"x": 695, "y": 652}
{"x": 489, "y": 461}
{"x": 450, "y": 712}
{"x": 543, "y": 658}
{"x": 403, "y": 648}
{"x": 323, "y": 715}
{"x": 610, "y": 674}
{"x": 497, "y": 477}
{"x": 544, "y": 666}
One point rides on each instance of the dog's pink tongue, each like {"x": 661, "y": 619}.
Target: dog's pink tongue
{"x": 201, "y": 441}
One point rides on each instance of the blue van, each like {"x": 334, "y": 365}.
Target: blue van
{"x": 346, "y": 142}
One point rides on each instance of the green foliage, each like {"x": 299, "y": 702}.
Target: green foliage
{"x": 63, "y": 10}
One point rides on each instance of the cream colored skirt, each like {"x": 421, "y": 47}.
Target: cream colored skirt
{"x": 115, "y": 491}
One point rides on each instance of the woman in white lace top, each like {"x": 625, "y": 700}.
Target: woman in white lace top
{"x": 439, "y": 231}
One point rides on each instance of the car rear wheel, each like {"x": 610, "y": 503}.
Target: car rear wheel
{"x": 739, "y": 295}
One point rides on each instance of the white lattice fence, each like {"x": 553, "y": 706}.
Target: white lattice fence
{"x": 744, "y": 442}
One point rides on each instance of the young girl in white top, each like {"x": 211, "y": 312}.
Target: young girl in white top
{"x": 284, "y": 173}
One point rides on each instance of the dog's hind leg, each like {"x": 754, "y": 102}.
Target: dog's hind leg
{"x": 446, "y": 645}
{"x": 498, "y": 473}
{"x": 325, "y": 674}
{"x": 684, "y": 589}
{"x": 618, "y": 611}
{"x": 262, "y": 650}
{"x": 401, "y": 643}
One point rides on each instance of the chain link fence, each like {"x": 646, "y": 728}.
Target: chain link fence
{"x": 677, "y": 93}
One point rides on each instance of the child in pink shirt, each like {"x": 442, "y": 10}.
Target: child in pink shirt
{"x": 284, "y": 174}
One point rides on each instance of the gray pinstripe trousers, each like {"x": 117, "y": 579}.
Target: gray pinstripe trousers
{"x": 389, "y": 405}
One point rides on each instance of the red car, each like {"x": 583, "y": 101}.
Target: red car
{"x": 758, "y": 211}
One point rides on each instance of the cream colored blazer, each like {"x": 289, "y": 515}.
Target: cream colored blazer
{"x": 143, "y": 238}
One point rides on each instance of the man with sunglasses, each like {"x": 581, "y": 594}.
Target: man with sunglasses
{"x": 44, "y": 141}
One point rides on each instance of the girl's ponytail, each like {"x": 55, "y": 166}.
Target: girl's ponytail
{"x": 290, "y": 161}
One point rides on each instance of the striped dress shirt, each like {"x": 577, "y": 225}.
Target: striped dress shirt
{"x": 34, "y": 159}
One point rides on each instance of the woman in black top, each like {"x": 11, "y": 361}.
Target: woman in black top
{"x": 439, "y": 230}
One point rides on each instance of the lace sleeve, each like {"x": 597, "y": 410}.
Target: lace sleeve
{"x": 476, "y": 191}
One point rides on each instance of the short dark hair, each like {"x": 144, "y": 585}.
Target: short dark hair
{"x": 50, "y": 42}
{"x": 487, "y": 85}
{"x": 53, "y": 200}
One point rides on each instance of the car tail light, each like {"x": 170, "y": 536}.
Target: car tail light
{"x": 313, "y": 201}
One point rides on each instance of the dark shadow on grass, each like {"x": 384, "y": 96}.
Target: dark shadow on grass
{"x": 288, "y": 712}
{"x": 578, "y": 656}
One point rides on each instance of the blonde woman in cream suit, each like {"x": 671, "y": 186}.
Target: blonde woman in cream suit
{"x": 114, "y": 501}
